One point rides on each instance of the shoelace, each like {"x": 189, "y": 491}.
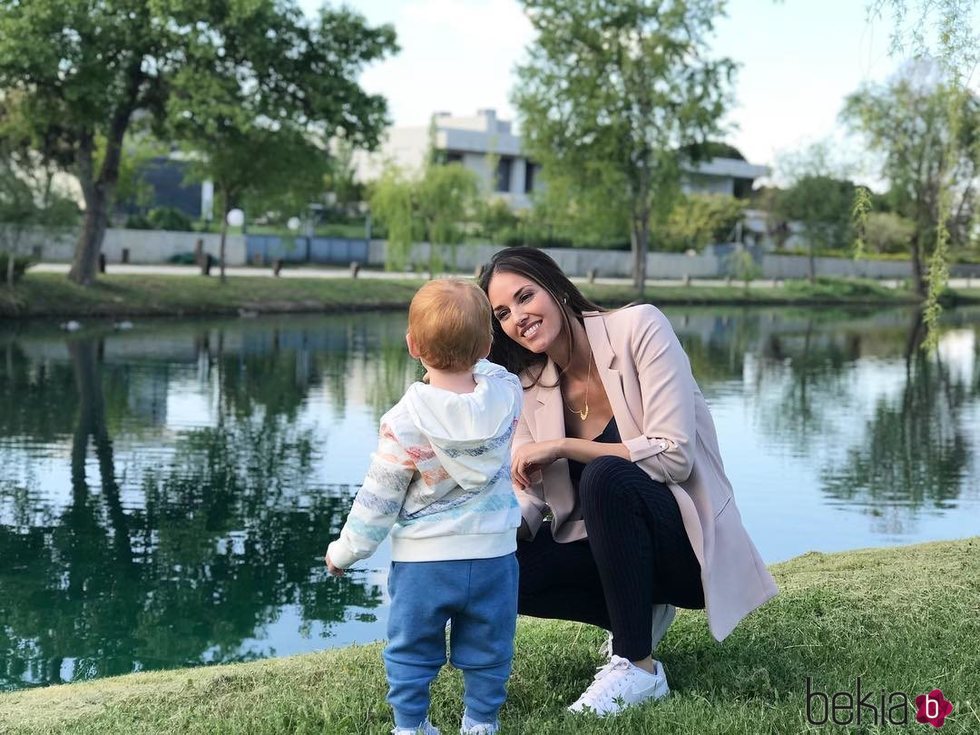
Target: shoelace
{"x": 601, "y": 680}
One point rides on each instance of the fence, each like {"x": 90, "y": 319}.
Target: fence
{"x": 155, "y": 246}
{"x": 265, "y": 249}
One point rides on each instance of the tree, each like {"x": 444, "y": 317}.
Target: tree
{"x": 259, "y": 108}
{"x": 392, "y": 203}
{"x": 930, "y": 155}
{"x": 614, "y": 92}
{"x": 954, "y": 47}
{"x": 432, "y": 204}
{"x": 447, "y": 197}
{"x": 82, "y": 70}
{"x": 822, "y": 205}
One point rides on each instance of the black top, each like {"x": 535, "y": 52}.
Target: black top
{"x": 609, "y": 435}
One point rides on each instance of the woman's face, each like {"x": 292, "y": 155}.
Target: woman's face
{"x": 527, "y": 313}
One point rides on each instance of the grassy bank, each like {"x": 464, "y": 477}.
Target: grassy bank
{"x": 52, "y": 295}
{"x": 903, "y": 619}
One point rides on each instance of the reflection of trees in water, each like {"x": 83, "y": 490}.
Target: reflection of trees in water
{"x": 915, "y": 451}
{"x": 389, "y": 373}
{"x": 35, "y": 396}
{"x": 225, "y": 537}
{"x": 807, "y": 370}
{"x": 716, "y": 345}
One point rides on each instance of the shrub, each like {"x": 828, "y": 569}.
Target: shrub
{"x": 169, "y": 218}
{"x": 138, "y": 222}
{"x": 698, "y": 220}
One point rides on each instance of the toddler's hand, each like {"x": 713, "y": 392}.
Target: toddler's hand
{"x": 334, "y": 570}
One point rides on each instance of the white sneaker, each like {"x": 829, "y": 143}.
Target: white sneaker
{"x": 663, "y": 616}
{"x": 425, "y": 728}
{"x": 470, "y": 727}
{"x": 618, "y": 685}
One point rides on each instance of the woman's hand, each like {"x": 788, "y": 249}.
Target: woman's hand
{"x": 332, "y": 568}
{"x": 529, "y": 458}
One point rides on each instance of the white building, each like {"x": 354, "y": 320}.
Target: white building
{"x": 473, "y": 141}
{"x": 480, "y": 140}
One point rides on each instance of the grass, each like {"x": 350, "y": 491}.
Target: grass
{"x": 903, "y": 619}
{"x": 52, "y": 295}
{"x": 47, "y": 294}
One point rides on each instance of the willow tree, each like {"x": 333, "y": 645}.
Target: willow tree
{"x": 941, "y": 30}
{"x": 930, "y": 154}
{"x": 616, "y": 94}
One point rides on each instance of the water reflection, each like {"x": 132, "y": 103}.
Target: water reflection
{"x": 166, "y": 494}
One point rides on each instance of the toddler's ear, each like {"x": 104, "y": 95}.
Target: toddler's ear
{"x": 411, "y": 346}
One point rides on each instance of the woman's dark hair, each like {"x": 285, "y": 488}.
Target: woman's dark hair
{"x": 536, "y": 266}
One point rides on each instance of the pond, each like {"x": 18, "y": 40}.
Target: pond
{"x": 167, "y": 491}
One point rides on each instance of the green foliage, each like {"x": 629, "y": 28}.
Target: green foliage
{"x": 823, "y": 205}
{"x": 586, "y": 209}
{"x": 886, "y": 232}
{"x": 28, "y": 199}
{"x": 227, "y": 79}
{"x": 433, "y": 206}
{"x": 169, "y": 218}
{"x": 742, "y": 266}
{"x": 496, "y": 219}
{"x": 698, "y": 220}
{"x": 341, "y": 179}
{"x": 928, "y": 137}
{"x": 612, "y": 93}
{"x": 139, "y": 151}
{"x": 391, "y": 203}
{"x": 860, "y": 210}
{"x": 271, "y": 146}
{"x": 446, "y": 198}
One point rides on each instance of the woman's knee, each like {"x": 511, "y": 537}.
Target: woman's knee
{"x": 602, "y": 480}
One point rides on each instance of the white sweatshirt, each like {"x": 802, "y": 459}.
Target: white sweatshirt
{"x": 439, "y": 480}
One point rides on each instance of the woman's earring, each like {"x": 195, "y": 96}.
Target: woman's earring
{"x": 565, "y": 300}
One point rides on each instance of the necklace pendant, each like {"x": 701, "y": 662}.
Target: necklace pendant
{"x": 584, "y": 413}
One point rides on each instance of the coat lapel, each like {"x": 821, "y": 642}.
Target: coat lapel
{"x": 612, "y": 379}
{"x": 549, "y": 418}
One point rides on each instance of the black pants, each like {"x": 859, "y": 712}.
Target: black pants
{"x": 637, "y": 554}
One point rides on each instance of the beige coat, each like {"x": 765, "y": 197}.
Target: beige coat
{"x": 664, "y": 422}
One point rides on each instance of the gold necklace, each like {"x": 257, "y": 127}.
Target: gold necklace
{"x": 584, "y": 413}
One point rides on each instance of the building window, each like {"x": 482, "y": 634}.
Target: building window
{"x": 454, "y": 157}
{"x": 528, "y": 177}
{"x": 504, "y": 166}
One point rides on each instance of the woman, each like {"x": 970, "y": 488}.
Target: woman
{"x": 626, "y": 506}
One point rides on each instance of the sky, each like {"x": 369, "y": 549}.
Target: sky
{"x": 798, "y": 60}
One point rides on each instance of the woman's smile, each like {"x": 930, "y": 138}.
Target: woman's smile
{"x": 530, "y": 331}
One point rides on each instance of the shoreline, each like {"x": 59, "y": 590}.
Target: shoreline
{"x": 51, "y": 295}
{"x": 903, "y": 618}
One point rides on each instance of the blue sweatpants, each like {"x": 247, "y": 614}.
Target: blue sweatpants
{"x": 479, "y": 597}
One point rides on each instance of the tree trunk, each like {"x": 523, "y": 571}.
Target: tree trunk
{"x": 10, "y": 267}
{"x": 640, "y": 242}
{"x": 224, "y": 235}
{"x": 98, "y": 190}
{"x": 918, "y": 269}
{"x": 812, "y": 264}
{"x": 85, "y": 264}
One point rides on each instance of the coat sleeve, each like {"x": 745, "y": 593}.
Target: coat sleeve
{"x": 531, "y": 499}
{"x": 665, "y": 448}
{"x": 377, "y": 503}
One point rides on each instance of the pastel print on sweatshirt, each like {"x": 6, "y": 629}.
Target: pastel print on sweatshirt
{"x": 439, "y": 480}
